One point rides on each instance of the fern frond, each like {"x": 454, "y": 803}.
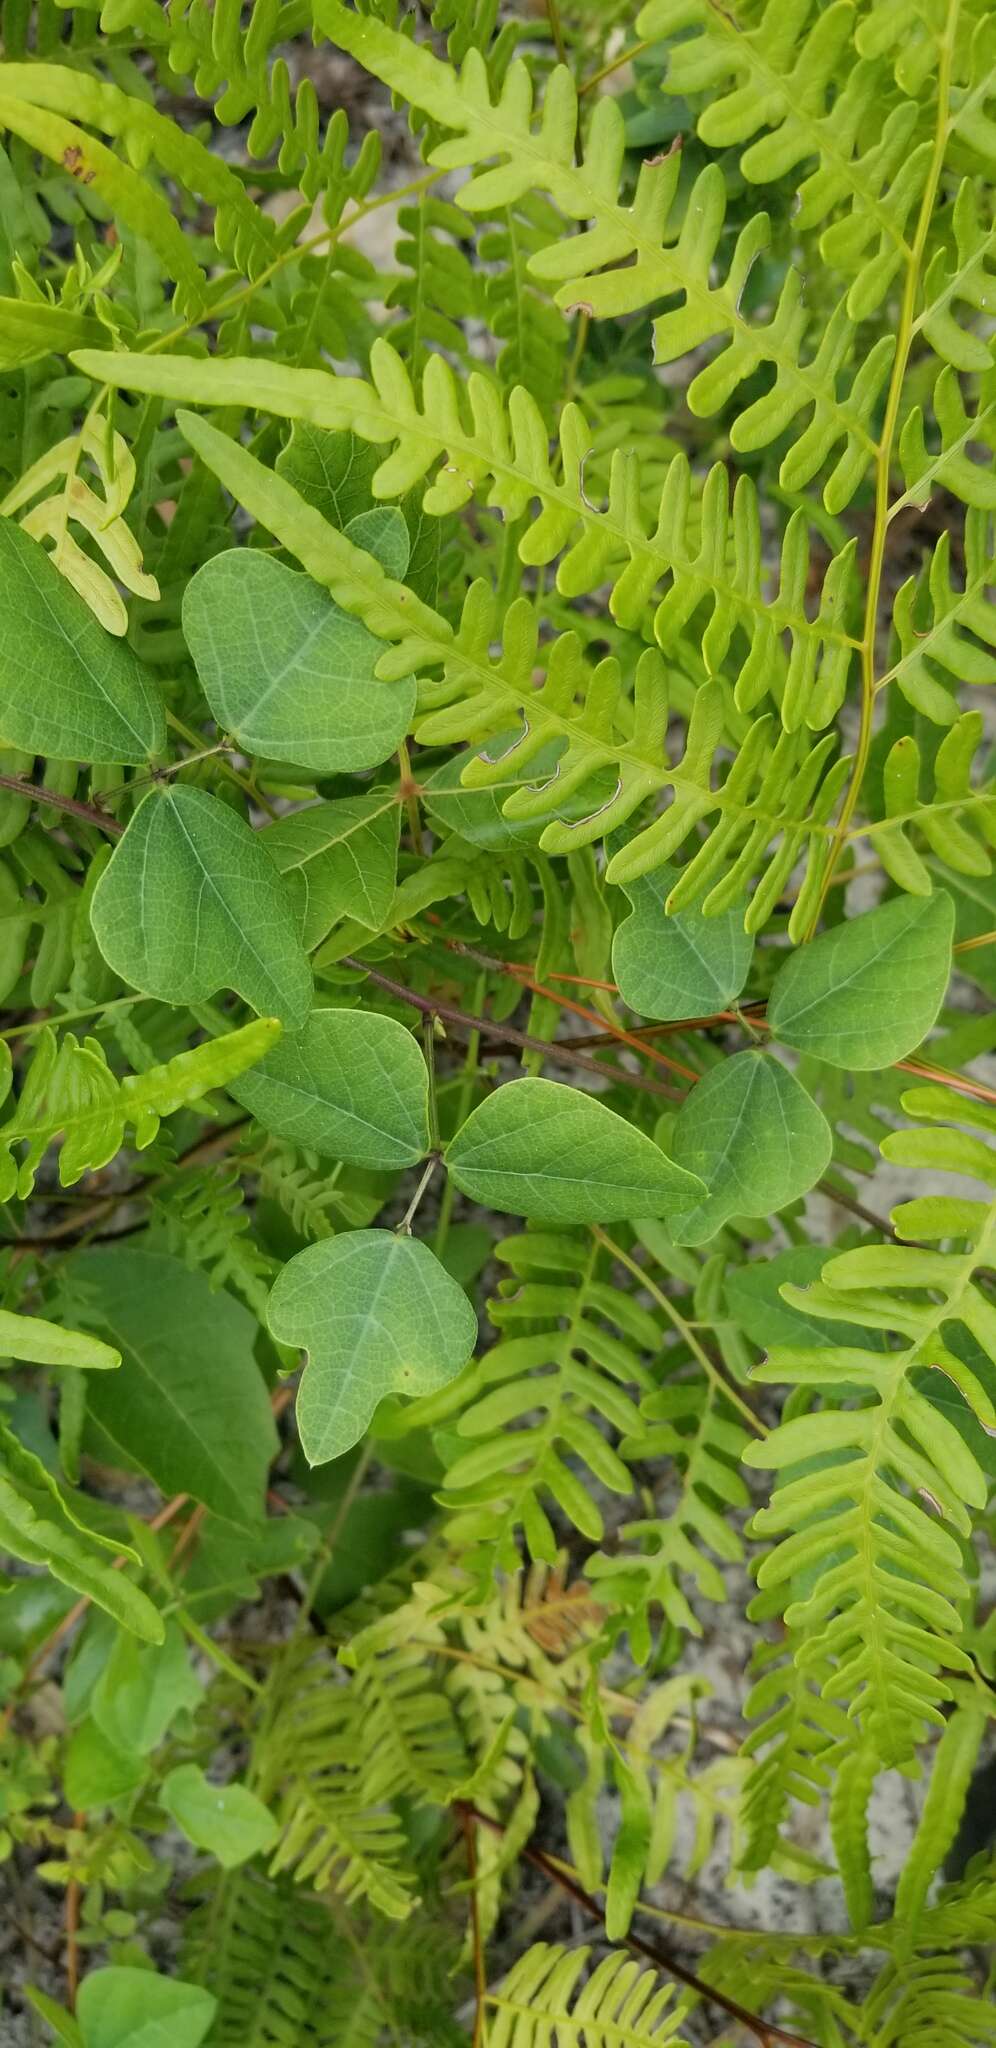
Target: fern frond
{"x": 541, "y": 1400}
{"x": 290, "y": 1971}
{"x": 342, "y": 1751}
{"x": 101, "y": 518}
{"x": 958, "y": 632}
{"x": 959, "y": 278}
{"x": 496, "y": 882}
{"x": 955, "y": 465}
{"x": 954, "y": 1761}
{"x": 928, "y": 2002}
{"x": 878, "y": 1531}
{"x": 438, "y": 287}
{"x": 549, "y": 1997}
{"x": 688, "y": 1423}
{"x": 792, "y": 88}
{"x": 317, "y": 1198}
{"x": 802, "y": 1735}
{"x": 70, "y": 1092}
{"x": 769, "y": 1965}
{"x": 52, "y": 913}
{"x": 533, "y": 332}
{"x": 669, "y": 1811}
{"x": 644, "y": 266}
{"x": 230, "y": 59}
{"x": 268, "y": 1956}
{"x": 774, "y": 805}
{"x": 782, "y": 90}
{"x": 203, "y": 1219}
{"x": 958, "y": 824}
{"x": 709, "y": 551}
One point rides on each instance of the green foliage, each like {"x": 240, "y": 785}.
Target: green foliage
{"x": 353, "y": 1086}
{"x": 97, "y": 703}
{"x": 542, "y": 1150}
{"x": 376, "y": 1315}
{"x": 496, "y": 621}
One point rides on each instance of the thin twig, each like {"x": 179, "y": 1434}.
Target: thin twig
{"x": 433, "y": 1006}
{"x": 764, "y": 2031}
{"x": 88, "y": 814}
{"x": 614, "y": 64}
{"x": 404, "y": 1228}
{"x": 73, "y": 1929}
{"x": 480, "y": 1978}
{"x": 923, "y": 1072}
{"x": 855, "y": 1208}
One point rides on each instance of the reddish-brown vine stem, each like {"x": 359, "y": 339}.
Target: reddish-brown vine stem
{"x": 434, "y": 1006}
{"x": 88, "y": 814}
{"x": 766, "y": 2032}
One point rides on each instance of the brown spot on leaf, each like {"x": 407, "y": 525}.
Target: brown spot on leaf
{"x": 76, "y": 164}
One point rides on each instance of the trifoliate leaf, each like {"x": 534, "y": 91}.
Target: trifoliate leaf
{"x": 538, "y": 1149}
{"x": 352, "y": 1085}
{"x": 377, "y": 1315}
{"x": 339, "y": 860}
{"x": 866, "y": 993}
{"x": 288, "y": 672}
{"x": 126, "y": 2008}
{"x": 755, "y": 1137}
{"x": 227, "y": 1820}
{"x": 682, "y": 965}
{"x": 68, "y": 689}
{"x": 191, "y": 903}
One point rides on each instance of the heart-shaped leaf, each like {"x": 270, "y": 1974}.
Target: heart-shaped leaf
{"x": 377, "y": 1315}
{"x": 538, "y": 1149}
{"x": 125, "y": 2008}
{"x": 288, "y": 672}
{"x": 352, "y": 1085}
{"x": 682, "y": 965}
{"x": 227, "y": 1820}
{"x": 755, "y": 1137}
{"x": 68, "y": 689}
{"x": 866, "y": 993}
{"x": 191, "y": 903}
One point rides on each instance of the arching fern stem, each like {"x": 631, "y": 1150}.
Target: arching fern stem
{"x": 883, "y": 460}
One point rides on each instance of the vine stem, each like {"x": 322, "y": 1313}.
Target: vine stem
{"x": 404, "y": 1228}
{"x": 480, "y": 1980}
{"x": 614, "y": 64}
{"x": 883, "y": 464}
{"x": 73, "y": 1928}
{"x": 556, "y": 30}
{"x": 433, "y": 1006}
{"x": 88, "y": 814}
{"x": 766, "y": 2032}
